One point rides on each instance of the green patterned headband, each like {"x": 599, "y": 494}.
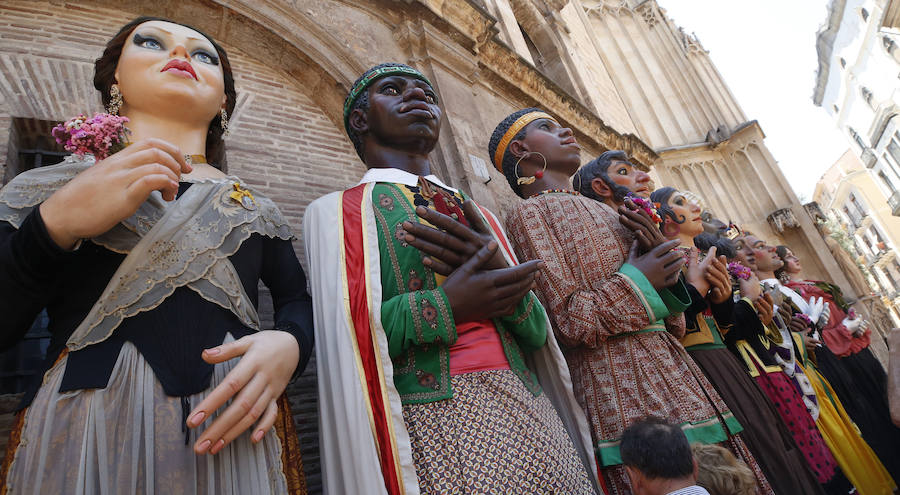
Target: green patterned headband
{"x": 366, "y": 81}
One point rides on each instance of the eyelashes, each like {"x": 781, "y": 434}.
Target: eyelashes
{"x": 200, "y": 54}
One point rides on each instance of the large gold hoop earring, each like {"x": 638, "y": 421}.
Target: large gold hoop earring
{"x": 115, "y": 100}
{"x": 537, "y": 175}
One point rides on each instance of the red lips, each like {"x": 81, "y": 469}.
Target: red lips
{"x": 180, "y": 65}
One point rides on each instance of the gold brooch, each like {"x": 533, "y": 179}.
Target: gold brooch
{"x": 243, "y": 197}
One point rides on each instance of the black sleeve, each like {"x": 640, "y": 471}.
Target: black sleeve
{"x": 698, "y": 305}
{"x": 723, "y": 313}
{"x": 29, "y": 263}
{"x": 747, "y": 324}
{"x": 283, "y": 275}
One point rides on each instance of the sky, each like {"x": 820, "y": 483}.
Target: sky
{"x": 766, "y": 52}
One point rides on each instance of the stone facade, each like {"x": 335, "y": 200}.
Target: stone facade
{"x": 619, "y": 73}
{"x": 856, "y": 83}
{"x": 853, "y": 197}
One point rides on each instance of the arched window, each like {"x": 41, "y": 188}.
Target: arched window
{"x": 865, "y": 14}
{"x": 836, "y": 108}
{"x": 532, "y": 49}
{"x": 843, "y": 63}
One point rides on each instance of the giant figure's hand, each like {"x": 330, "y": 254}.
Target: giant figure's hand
{"x": 112, "y": 190}
{"x": 477, "y": 294}
{"x": 450, "y": 244}
{"x": 267, "y": 362}
{"x": 646, "y": 231}
{"x": 661, "y": 265}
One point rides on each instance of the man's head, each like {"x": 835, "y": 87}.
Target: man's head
{"x": 657, "y": 457}
{"x": 767, "y": 260}
{"x": 392, "y": 105}
{"x": 610, "y": 177}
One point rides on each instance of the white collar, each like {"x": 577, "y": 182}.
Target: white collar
{"x": 400, "y": 177}
{"x": 791, "y": 293}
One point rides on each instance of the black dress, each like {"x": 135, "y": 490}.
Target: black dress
{"x": 36, "y": 274}
{"x": 765, "y": 434}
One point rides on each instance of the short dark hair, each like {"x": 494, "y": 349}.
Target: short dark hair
{"x": 105, "y": 77}
{"x": 599, "y": 167}
{"x": 723, "y": 245}
{"x": 781, "y": 251}
{"x": 657, "y": 449}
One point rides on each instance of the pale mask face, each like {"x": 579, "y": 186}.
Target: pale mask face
{"x": 792, "y": 263}
{"x": 170, "y": 70}
{"x": 689, "y": 211}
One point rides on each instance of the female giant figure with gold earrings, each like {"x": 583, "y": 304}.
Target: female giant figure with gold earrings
{"x": 148, "y": 263}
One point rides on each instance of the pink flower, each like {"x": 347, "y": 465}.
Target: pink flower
{"x": 738, "y": 270}
{"x": 101, "y": 135}
{"x": 645, "y": 205}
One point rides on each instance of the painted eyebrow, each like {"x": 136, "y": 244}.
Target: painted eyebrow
{"x": 170, "y": 33}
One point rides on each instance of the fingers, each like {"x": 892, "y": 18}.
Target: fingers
{"x": 645, "y": 243}
{"x": 440, "y": 238}
{"x": 514, "y": 274}
{"x": 438, "y": 266}
{"x": 436, "y": 251}
{"x": 444, "y": 222}
{"x": 473, "y": 216}
{"x": 660, "y": 250}
{"x": 266, "y": 423}
{"x": 233, "y": 383}
{"x": 483, "y": 255}
{"x": 520, "y": 288}
{"x": 224, "y": 352}
{"x": 245, "y": 410}
{"x": 183, "y": 167}
{"x": 145, "y": 185}
{"x": 632, "y": 252}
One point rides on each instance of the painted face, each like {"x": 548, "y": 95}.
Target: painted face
{"x": 767, "y": 259}
{"x": 687, "y": 210}
{"x": 404, "y": 111}
{"x": 744, "y": 253}
{"x": 792, "y": 262}
{"x": 636, "y": 180}
{"x": 555, "y": 142}
{"x": 172, "y": 69}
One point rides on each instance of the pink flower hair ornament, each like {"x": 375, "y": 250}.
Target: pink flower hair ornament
{"x": 646, "y": 205}
{"x": 739, "y": 271}
{"x": 100, "y": 135}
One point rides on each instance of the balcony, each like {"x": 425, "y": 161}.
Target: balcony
{"x": 894, "y": 203}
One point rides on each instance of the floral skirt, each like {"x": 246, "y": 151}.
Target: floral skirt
{"x": 128, "y": 438}
{"x": 493, "y": 436}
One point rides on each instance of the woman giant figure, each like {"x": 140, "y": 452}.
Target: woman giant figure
{"x": 148, "y": 264}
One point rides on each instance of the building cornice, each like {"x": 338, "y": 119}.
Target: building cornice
{"x": 475, "y": 29}
{"x": 825, "y": 47}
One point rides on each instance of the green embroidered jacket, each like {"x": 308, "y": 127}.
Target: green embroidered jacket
{"x": 416, "y": 315}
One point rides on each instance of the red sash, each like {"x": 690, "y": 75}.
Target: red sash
{"x": 353, "y": 201}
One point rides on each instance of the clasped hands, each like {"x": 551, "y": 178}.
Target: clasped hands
{"x": 480, "y": 284}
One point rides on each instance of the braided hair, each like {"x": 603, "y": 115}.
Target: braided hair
{"x": 509, "y": 160}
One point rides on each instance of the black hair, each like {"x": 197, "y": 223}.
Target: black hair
{"x": 781, "y": 251}
{"x": 599, "y": 167}
{"x": 509, "y": 160}
{"x": 661, "y": 197}
{"x": 105, "y": 77}
{"x": 657, "y": 449}
{"x": 723, "y": 245}
{"x": 362, "y": 103}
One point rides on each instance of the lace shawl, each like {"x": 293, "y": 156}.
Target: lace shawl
{"x": 168, "y": 245}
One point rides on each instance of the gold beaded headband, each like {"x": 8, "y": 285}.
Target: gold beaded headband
{"x": 514, "y": 129}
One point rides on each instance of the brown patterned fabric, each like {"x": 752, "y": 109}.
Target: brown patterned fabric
{"x": 617, "y": 377}
{"x": 15, "y": 436}
{"x": 493, "y": 436}
{"x": 291, "y": 457}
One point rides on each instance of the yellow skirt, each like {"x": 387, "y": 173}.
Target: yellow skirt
{"x": 853, "y": 454}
